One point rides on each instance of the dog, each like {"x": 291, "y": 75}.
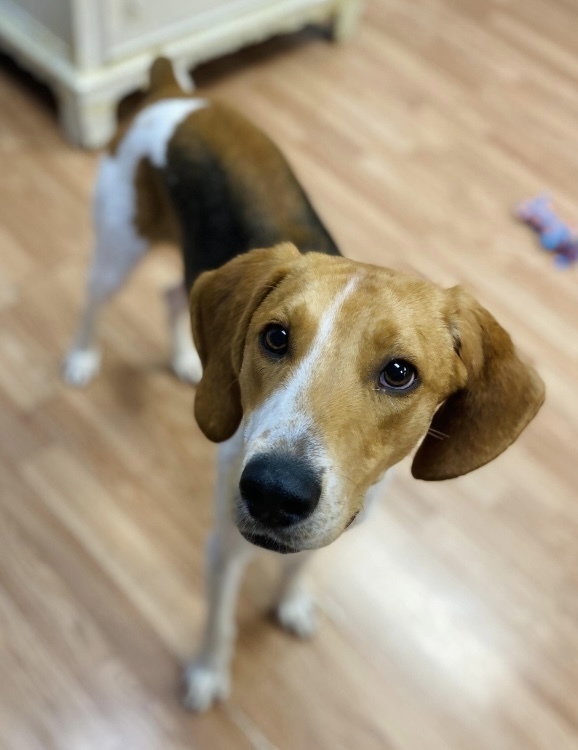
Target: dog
{"x": 316, "y": 374}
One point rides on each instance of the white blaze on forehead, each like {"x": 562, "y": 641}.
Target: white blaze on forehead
{"x": 324, "y": 338}
{"x": 283, "y": 416}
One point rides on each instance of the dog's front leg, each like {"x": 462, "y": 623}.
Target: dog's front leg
{"x": 295, "y": 608}
{"x": 207, "y": 678}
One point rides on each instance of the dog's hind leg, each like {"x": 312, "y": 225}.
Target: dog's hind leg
{"x": 185, "y": 361}
{"x": 82, "y": 361}
{"x": 117, "y": 250}
{"x": 295, "y": 607}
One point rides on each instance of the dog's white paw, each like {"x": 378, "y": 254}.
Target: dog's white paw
{"x": 296, "y": 614}
{"x": 81, "y": 366}
{"x": 187, "y": 366}
{"x": 204, "y": 686}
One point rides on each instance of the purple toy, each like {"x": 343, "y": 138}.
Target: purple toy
{"x": 554, "y": 235}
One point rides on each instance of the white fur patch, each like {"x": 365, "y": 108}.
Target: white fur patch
{"x": 81, "y": 366}
{"x": 284, "y": 416}
{"x": 296, "y": 613}
{"x": 185, "y": 361}
{"x": 152, "y": 130}
{"x": 118, "y": 245}
{"x": 205, "y": 685}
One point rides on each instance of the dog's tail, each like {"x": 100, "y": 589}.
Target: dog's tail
{"x": 162, "y": 76}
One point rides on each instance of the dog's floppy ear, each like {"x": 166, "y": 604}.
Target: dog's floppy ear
{"x": 222, "y": 305}
{"x": 497, "y": 396}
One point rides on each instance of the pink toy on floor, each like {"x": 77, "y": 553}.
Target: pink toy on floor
{"x": 554, "y": 235}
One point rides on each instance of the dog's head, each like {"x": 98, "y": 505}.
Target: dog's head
{"x": 336, "y": 369}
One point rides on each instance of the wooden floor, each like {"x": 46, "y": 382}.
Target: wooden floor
{"x": 450, "y": 620}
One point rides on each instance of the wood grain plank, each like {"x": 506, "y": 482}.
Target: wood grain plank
{"x": 448, "y": 620}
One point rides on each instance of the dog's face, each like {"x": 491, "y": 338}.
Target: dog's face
{"x": 337, "y": 369}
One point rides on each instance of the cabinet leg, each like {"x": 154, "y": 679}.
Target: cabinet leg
{"x": 88, "y": 120}
{"x": 345, "y": 19}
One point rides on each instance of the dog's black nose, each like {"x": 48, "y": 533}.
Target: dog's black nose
{"x": 280, "y": 490}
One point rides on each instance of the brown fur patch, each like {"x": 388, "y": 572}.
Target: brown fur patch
{"x": 265, "y": 189}
{"x": 222, "y": 303}
{"x": 154, "y": 216}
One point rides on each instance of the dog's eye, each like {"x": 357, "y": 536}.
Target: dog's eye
{"x": 397, "y": 375}
{"x": 275, "y": 339}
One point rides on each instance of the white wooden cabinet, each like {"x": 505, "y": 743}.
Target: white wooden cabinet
{"x": 94, "y": 52}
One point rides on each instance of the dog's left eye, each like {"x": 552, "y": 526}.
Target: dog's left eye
{"x": 398, "y": 374}
{"x": 275, "y": 339}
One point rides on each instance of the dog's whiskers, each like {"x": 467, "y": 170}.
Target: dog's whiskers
{"x": 437, "y": 434}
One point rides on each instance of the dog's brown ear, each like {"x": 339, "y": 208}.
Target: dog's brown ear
{"x": 498, "y": 396}
{"x": 222, "y": 305}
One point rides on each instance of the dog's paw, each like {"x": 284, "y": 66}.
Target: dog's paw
{"x": 187, "y": 366}
{"x": 204, "y": 686}
{"x": 296, "y": 614}
{"x": 80, "y": 367}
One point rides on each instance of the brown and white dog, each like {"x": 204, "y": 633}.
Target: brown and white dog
{"x": 317, "y": 374}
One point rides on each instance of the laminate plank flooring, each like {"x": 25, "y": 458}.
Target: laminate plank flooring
{"x": 449, "y": 619}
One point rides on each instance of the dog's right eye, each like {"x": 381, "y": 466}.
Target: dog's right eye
{"x": 275, "y": 339}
